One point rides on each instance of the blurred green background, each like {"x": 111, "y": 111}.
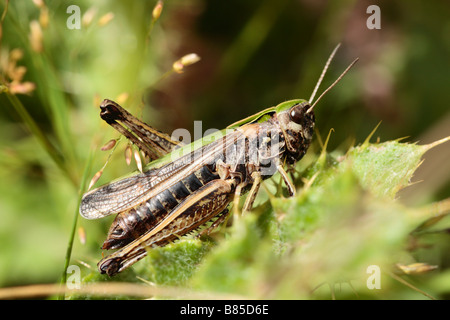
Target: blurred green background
{"x": 254, "y": 54}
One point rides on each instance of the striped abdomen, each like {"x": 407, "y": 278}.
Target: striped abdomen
{"x": 131, "y": 224}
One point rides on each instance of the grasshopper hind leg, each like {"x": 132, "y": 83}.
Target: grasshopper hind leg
{"x": 197, "y": 209}
{"x": 222, "y": 217}
{"x": 110, "y": 267}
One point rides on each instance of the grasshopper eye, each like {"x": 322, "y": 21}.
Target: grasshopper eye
{"x": 296, "y": 114}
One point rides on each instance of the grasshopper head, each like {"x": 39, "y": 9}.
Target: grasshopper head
{"x": 296, "y": 120}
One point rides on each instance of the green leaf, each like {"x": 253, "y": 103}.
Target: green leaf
{"x": 173, "y": 264}
{"x": 385, "y": 168}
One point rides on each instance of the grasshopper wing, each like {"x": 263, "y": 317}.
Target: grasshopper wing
{"x": 129, "y": 192}
{"x": 119, "y": 195}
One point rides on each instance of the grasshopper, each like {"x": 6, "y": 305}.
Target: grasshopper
{"x": 186, "y": 187}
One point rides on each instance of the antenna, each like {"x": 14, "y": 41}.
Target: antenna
{"x": 323, "y": 72}
{"x": 334, "y": 83}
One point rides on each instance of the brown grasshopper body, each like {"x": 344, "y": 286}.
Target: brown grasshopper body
{"x": 179, "y": 193}
{"x": 184, "y": 194}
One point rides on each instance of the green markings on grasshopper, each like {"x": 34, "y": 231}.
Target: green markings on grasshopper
{"x": 265, "y": 114}
{"x": 188, "y": 186}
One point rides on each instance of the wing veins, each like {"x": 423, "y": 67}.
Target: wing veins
{"x": 124, "y": 194}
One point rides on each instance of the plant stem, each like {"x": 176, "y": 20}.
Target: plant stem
{"x": 86, "y": 172}
{"x": 42, "y": 138}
